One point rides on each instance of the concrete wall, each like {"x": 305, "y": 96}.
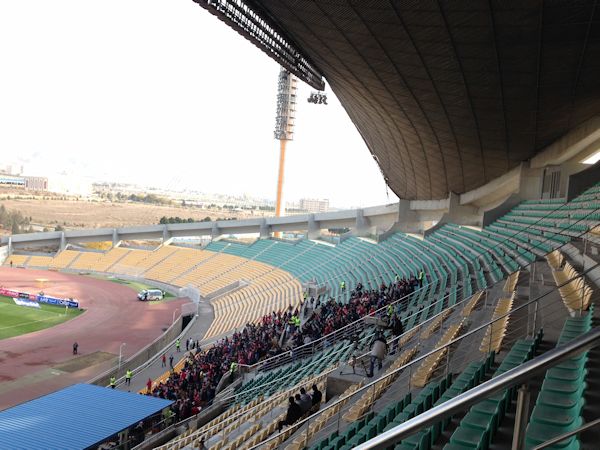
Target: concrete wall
{"x": 409, "y": 220}
{"x": 226, "y": 289}
{"x": 579, "y": 182}
{"x": 387, "y": 233}
{"x": 496, "y": 189}
{"x": 530, "y": 184}
{"x": 576, "y": 144}
{"x": 443, "y": 221}
{"x": 497, "y": 212}
{"x": 429, "y": 205}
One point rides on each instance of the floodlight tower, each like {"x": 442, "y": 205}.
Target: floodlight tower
{"x": 287, "y": 87}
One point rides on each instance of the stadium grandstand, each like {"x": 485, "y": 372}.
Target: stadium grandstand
{"x": 462, "y": 317}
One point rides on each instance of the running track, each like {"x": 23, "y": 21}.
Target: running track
{"x": 113, "y": 315}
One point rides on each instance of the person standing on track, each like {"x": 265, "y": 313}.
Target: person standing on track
{"x": 171, "y": 361}
{"x": 164, "y": 360}
{"x": 178, "y": 345}
{"x": 113, "y": 382}
{"x": 75, "y": 347}
{"x": 128, "y": 375}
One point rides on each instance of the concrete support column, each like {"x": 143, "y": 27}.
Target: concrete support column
{"x": 362, "y": 225}
{"x": 314, "y": 228}
{"x": 407, "y": 221}
{"x": 215, "y": 232}
{"x": 264, "y": 231}
{"x": 63, "y": 241}
{"x": 530, "y": 183}
{"x": 462, "y": 214}
{"x": 115, "y": 238}
{"x": 166, "y": 237}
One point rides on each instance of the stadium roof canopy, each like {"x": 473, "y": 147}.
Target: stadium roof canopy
{"x": 77, "y": 417}
{"x": 449, "y": 94}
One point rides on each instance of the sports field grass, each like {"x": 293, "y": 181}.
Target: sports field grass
{"x": 16, "y": 320}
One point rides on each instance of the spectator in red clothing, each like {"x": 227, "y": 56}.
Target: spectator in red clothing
{"x": 149, "y": 384}
{"x": 195, "y": 384}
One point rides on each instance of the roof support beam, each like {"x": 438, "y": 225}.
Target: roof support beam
{"x": 252, "y": 22}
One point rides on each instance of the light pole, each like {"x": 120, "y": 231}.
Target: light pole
{"x": 174, "y": 311}
{"x": 120, "y": 356}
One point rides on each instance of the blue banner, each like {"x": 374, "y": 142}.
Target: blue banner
{"x": 57, "y": 301}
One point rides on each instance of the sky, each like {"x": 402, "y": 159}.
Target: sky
{"x": 162, "y": 93}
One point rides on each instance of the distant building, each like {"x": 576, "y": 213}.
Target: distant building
{"x": 313, "y": 205}
{"x": 36, "y": 183}
{"x": 31, "y": 183}
{"x": 12, "y": 181}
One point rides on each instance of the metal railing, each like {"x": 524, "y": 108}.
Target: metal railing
{"x": 564, "y": 436}
{"x": 524, "y": 230}
{"x": 309, "y": 349}
{"x": 357, "y": 326}
{"x": 297, "y": 356}
{"x": 344, "y": 333}
{"x": 459, "y": 359}
{"x": 504, "y": 381}
{"x": 523, "y": 326}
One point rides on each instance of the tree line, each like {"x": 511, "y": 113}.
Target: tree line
{"x": 14, "y": 221}
{"x": 151, "y": 199}
{"x": 164, "y": 219}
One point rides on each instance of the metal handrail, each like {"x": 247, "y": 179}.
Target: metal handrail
{"x": 345, "y": 331}
{"x": 239, "y": 414}
{"x": 437, "y": 349}
{"x": 475, "y": 395}
{"x": 467, "y": 334}
{"x": 562, "y": 437}
{"x": 391, "y": 341}
{"x": 542, "y": 239}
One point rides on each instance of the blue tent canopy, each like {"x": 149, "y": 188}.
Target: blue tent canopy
{"x": 76, "y": 417}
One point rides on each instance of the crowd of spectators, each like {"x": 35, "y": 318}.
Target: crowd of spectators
{"x": 194, "y": 386}
{"x": 330, "y": 316}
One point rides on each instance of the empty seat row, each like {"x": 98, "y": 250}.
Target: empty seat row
{"x": 559, "y": 405}
{"x": 479, "y": 426}
{"x": 495, "y": 332}
{"x": 511, "y": 282}
{"x": 573, "y": 288}
{"x": 426, "y": 369}
{"x": 471, "y": 376}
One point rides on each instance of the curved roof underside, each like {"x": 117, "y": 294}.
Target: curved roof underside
{"x": 449, "y": 95}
